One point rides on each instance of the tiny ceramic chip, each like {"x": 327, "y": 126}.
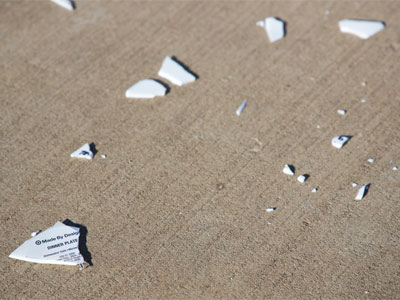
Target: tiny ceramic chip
{"x": 302, "y": 178}
{"x": 241, "y": 107}
{"x": 83, "y": 152}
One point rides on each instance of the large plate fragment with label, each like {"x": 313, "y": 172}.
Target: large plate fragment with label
{"x": 58, "y": 244}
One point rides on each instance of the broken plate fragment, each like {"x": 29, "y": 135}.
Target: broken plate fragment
{"x": 395, "y": 168}
{"x": 314, "y": 190}
{"x": 56, "y": 245}
{"x": 342, "y": 112}
{"x": 175, "y": 72}
{"x": 302, "y": 178}
{"x": 274, "y": 27}
{"x": 83, "y": 152}
{"x": 354, "y": 184}
{"x": 67, "y": 4}
{"x": 364, "y": 29}
{"x": 340, "y": 141}
{"x": 146, "y": 89}
{"x": 270, "y": 209}
{"x": 289, "y": 170}
{"x": 371, "y": 160}
{"x": 241, "y": 107}
{"x": 362, "y": 191}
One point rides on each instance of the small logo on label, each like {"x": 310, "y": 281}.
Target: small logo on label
{"x": 38, "y": 242}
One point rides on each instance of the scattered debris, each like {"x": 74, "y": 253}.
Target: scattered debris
{"x": 395, "y": 168}
{"x": 35, "y": 233}
{"x": 104, "y": 156}
{"x": 241, "y": 107}
{"x": 362, "y": 192}
{"x": 314, "y": 190}
{"x": 364, "y": 29}
{"x": 354, "y": 184}
{"x": 274, "y": 27}
{"x": 363, "y": 100}
{"x": 342, "y": 112}
{"x": 175, "y": 72}
{"x": 371, "y": 160}
{"x": 83, "y": 152}
{"x": 56, "y": 245}
{"x": 340, "y": 141}
{"x": 270, "y": 209}
{"x": 146, "y": 89}
{"x": 302, "y": 178}
{"x": 67, "y": 4}
{"x": 289, "y": 170}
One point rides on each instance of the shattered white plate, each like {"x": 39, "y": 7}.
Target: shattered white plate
{"x": 67, "y": 4}
{"x": 56, "y": 245}
{"x": 83, "y": 152}
{"x": 241, "y": 107}
{"x": 289, "y": 170}
{"x": 146, "y": 89}
{"x": 175, "y": 72}
{"x": 362, "y": 191}
{"x": 302, "y": 178}
{"x": 274, "y": 27}
{"x": 364, "y": 29}
{"x": 340, "y": 141}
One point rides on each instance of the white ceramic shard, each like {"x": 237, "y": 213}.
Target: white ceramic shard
{"x": 363, "y": 100}
{"x": 104, "y": 156}
{"x": 56, "y": 245}
{"x": 146, "y": 89}
{"x": 371, "y": 160}
{"x": 364, "y": 29}
{"x": 364, "y": 83}
{"x": 289, "y": 170}
{"x": 174, "y": 72}
{"x": 362, "y": 191}
{"x": 302, "y": 178}
{"x": 354, "y": 184}
{"x": 274, "y": 27}
{"x": 35, "y": 233}
{"x": 270, "y": 209}
{"x": 67, "y": 4}
{"x": 83, "y": 152}
{"x": 339, "y": 141}
{"x": 241, "y": 107}
{"x": 342, "y": 112}
{"x": 395, "y": 168}
{"x": 318, "y": 126}
{"x": 314, "y": 190}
